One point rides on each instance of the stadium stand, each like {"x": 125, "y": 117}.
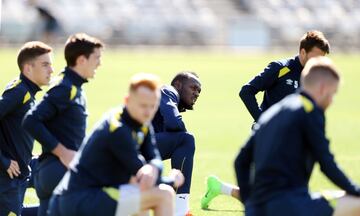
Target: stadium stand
{"x": 264, "y": 23}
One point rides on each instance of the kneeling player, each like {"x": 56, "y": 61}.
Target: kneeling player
{"x": 117, "y": 169}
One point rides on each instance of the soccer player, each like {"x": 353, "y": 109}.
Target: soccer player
{"x": 58, "y": 122}
{"x": 174, "y": 142}
{"x": 277, "y": 80}
{"x": 35, "y": 65}
{"x": 281, "y": 78}
{"x": 117, "y": 169}
{"x": 273, "y": 168}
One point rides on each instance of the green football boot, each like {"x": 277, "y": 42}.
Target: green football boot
{"x": 213, "y": 190}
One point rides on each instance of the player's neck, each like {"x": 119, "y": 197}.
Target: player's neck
{"x": 79, "y": 71}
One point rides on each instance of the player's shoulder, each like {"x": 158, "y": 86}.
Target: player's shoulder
{"x": 292, "y": 105}
{"x": 113, "y": 120}
{"x": 115, "y": 125}
{"x": 307, "y": 104}
{"x": 298, "y": 102}
{"x": 303, "y": 106}
{"x": 17, "y": 90}
{"x": 15, "y": 84}
{"x": 61, "y": 87}
{"x": 284, "y": 66}
{"x": 169, "y": 91}
{"x": 311, "y": 110}
{"x": 120, "y": 128}
{"x": 16, "y": 87}
{"x": 59, "y": 81}
{"x": 286, "y": 62}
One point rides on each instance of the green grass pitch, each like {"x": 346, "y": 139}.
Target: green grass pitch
{"x": 220, "y": 121}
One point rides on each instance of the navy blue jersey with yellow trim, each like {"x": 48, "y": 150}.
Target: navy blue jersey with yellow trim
{"x": 279, "y": 79}
{"x": 280, "y": 154}
{"x": 115, "y": 150}
{"x": 15, "y": 143}
{"x": 168, "y": 118}
{"x": 61, "y": 115}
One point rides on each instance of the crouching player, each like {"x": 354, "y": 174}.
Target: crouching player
{"x": 274, "y": 167}
{"x": 118, "y": 167}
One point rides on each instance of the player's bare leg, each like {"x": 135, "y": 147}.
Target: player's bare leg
{"x": 160, "y": 199}
{"x": 347, "y": 205}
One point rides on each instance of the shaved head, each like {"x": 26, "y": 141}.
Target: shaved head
{"x": 319, "y": 69}
{"x": 320, "y": 79}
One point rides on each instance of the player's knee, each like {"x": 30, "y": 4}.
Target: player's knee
{"x": 357, "y": 206}
{"x": 189, "y": 141}
{"x": 347, "y": 205}
{"x": 167, "y": 193}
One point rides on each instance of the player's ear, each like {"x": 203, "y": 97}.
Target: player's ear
{"x": 302, "y": 52}
{"x": 27, "y": 68}
{"x": 126, "y": 99}
{"x": 323, "y": 88}
{"x": 80, "y": 60}
{"x": 178, "y": 85}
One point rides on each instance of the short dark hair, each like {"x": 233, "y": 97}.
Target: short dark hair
{"x": 313, "y": 39}
{"x": 31, "y": 50}
{"x": 182, "y": 76}
{"x": 80, "y": 44}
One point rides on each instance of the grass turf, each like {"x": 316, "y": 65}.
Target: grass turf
{"x": 220, "y": 121}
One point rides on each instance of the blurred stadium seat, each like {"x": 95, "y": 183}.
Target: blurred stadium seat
{"x": 263, "y": 23}
{"x": 185, "y": 22}
{"x": 287, "y": 19}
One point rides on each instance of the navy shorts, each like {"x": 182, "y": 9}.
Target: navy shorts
{"x": 47, "y": 176}
{"x": 11, "y": 195}
{"x": 291, "y": 204}
{"x": 86, "y": 202}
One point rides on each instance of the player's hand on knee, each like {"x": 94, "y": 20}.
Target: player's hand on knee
{"x": 177, "y": 176}
{"x": 14, "y": 169}
{"x": 147, "y": 176}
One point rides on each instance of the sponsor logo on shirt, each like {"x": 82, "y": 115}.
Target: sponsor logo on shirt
{"x": 292, "y": 83}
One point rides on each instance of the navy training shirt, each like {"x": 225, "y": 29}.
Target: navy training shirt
{"x": 61, "y": 115}
{"x": 115, "y": 150}
{"x": 168, "y": 118}
{"x": 280, "y": 154}
{"x": 15, "y": 143}
{"x": 279, "y": 79}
